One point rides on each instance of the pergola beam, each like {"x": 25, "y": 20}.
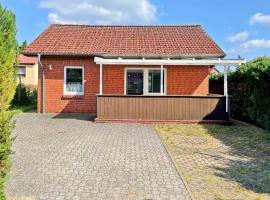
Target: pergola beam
{"x": 124, "y": 61}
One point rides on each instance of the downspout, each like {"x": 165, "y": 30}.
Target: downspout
{"x": 42, "y": 84}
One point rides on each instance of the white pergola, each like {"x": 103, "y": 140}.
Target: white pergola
{"x": 180, "y": 62}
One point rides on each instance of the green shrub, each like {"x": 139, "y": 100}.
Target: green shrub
{"x": 8, "y": 55}
{"x": 249, "y": 87}
{"x": 27, "y": 95}
{"x": 6, "y": 125}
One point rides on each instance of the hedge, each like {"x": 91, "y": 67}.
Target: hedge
{"x": 8, "y": 55}
{"x": 249, "y": 87}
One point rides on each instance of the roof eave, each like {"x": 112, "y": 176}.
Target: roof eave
{"x": 197, "y": 56}
{"x": 24, "y": 63}
{"x": 59, "y": 54}
{"x": 107, "y": 55}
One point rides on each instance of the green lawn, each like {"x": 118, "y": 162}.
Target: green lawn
{"x": 221, "y": 162}
{"x": 22, "y": 109}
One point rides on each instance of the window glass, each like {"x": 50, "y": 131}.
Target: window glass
{"x": 22, "y": 71}
{"x": 135, "y": 82}
{"x": 144, "y": 81}
{"x": 154, "y": 81}
{"x": 74, "y": 80}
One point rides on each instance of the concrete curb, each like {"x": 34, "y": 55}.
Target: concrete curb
{"x": 175, "y": 165}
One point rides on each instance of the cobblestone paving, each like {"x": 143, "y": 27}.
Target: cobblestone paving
{"x": 221, "y": 162}
{"x": 69, "y": 157}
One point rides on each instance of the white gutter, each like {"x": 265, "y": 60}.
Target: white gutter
{"x": 227, "y": 62}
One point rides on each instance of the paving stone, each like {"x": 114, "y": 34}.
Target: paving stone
{"x": 212, "y": 166}
{"x": 69, "y": 157}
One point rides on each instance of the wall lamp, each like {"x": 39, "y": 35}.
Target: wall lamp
{"x": 50, "y": 67}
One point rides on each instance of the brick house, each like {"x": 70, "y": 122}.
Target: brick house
{"x": 148, "y": 73}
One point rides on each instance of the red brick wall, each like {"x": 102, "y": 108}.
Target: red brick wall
{"x": 54, "y": 85}
{"x": 184, "y": 80}
{"x": 187, "y": 80}
{"x": 113, "y": 79}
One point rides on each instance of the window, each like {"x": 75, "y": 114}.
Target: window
{"x": 21, "y": 71}
{"x": 144, "y": 81}
{"x": 154, "y": 81}
{"x": 74, "y": 77}
{"x": 135, "y": 82}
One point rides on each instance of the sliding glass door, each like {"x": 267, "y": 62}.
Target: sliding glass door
{"x": 154, "y": 81}
{"x": 144, "y": 81}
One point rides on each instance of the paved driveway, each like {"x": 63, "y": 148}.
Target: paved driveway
{"x": 69, "y": 157}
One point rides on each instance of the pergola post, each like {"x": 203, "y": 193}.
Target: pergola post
{"x": 226, "y": 88}
{"x": 161, "y": 80}
{"x": 100, "y": 79}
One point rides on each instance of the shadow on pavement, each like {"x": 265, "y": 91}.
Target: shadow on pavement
{"x": 77, "y": 116}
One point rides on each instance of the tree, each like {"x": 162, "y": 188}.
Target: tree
{"x": 8, "y": 57}
{"x": 23, "y": 46}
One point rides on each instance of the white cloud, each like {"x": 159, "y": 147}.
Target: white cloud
{"x": 232, "y": 50}
{"x": 256, "y": 44}
{"x": 100, "y": 11}
{"x": 54, "y": 18}
{"x": 239, "y": 37}
{"x": 260, "y": 18}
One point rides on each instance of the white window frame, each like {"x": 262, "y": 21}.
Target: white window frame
{"x": 65, "y": 80}
{"x": 22, "y": 66}
{"x": 145, "y": 79}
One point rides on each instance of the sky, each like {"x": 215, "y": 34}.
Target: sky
{"x": 240, "y": 27}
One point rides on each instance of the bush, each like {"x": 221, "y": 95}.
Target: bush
{"x": 6, "y": 125}
{"x": 27, "y": 95}
{"x": 249, "y": 87}
{"x": 8, "y": 55}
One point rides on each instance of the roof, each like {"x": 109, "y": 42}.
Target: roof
{"x": 27, "y": 60}
{"x": 140, "y": 41}
{"x": 213, "y": 70}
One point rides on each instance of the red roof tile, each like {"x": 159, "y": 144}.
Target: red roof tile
{"x": 213, "y": 70}
{"x": 179, "y": 41}
{"x": 27, "y": 60}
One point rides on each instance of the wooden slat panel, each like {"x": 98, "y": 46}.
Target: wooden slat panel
{"x": 160, "y": 107}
